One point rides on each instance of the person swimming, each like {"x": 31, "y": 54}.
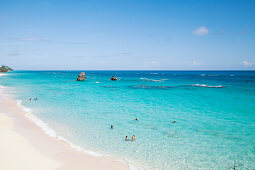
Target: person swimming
{"x": 173, "y": 122}
{"x": 136, "y": 119}
{"x": 127, "y": 139}
{"x": 111, "y": 126}
{"x": 133, "y": 137}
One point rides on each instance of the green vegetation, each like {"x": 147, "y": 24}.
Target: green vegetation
{"x": 5, "y": 69}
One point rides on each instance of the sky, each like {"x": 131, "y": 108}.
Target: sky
{"x": 127, "y": 34}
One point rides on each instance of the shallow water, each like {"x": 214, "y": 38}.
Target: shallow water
{"x": 213, "y": 110}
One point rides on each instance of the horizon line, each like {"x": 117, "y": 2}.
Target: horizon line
{"x": 123, "y": 70}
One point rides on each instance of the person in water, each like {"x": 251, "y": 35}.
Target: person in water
{"x": 133, "y": 137}
{"x": 111, "y": 126}
{"x": 35, "y": 98}
{"x": 127, "y": 139}
{"x": 136, "y": 119}
{"x": 173, "y": 122}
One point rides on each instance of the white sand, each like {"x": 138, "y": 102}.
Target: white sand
{"x": 17, "y": 152}
{"x": 2, "y": 74}
{"x": 24, "y": 146}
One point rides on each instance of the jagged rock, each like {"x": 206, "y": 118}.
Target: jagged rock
{"x": 81, "y": 77}
{"x": 114, "y": 78}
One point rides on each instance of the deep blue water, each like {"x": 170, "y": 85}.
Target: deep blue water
{"x": 214, "y": 113}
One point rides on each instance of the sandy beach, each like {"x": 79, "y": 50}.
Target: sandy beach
{"x": 2, "y": 74}
{"x": 25, "y": 146}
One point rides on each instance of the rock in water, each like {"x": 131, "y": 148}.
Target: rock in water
{"x": 81, "y": 76}
{"x": 114, "y": 78}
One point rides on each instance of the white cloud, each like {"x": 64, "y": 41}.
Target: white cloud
{"x": 151, "y": 64}
{"x": 196, "y": 63}
{"x": 14, "y": 53}
{"x": 246, "y": 63}
{"x": 201, "y": 31}
{"x": 123, "y": 54}
{"x": 29, "y": 39}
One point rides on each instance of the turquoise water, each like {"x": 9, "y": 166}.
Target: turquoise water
{"x": 214, "y": 113}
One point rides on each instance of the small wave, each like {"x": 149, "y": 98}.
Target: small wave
{"x": 110, "y": 87}
{"x": 199, "y": 85}
{"x": 154, "y": 80}
{"x": 132, "y": 167}
{"x": 41, "y": 124}
{"x": 1, "y": 89}
{"x": 204, "y": 85}
{"x": 2, "y": 74}
{"x": 219, "y": 86}
{"x": 97, "y": 82}
{"x": 78, "y": 147}
{"x": 209, "y": 75}
{"x": 153, "y": 73}
{"x": 37, "y": 121}
{"x": 52, "y": 133}
{"x": 151, "y": 87}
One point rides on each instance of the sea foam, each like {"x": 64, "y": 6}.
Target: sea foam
{"x": 154, "y": 80}
{"x": 52, "y": 133}
{"x": 36, "y": 120}
{"x": 49, "y": 131}
{"x": 204, "y": 85}
{"x": 2, "y": 74}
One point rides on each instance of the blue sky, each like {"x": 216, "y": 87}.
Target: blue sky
{"x": 128, "y": 34}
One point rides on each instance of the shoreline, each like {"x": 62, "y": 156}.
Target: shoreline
{"x": 57, "y": 152}
{"x": 2, "y": 74}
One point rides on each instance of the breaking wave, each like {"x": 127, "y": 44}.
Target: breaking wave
{"x": 154, "y": 80}
{"x": 52, "y": 133}
{"x": 204, "y": 85}
{"x": 49, "y": 131}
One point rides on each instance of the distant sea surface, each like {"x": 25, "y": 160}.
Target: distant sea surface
{"x": 214, "y": 114}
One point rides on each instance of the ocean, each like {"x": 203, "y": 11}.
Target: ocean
{"x": 214, "y": 114}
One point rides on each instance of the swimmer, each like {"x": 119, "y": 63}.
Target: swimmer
{"x": 111, "y": 126}
{"x": 133, "y": 137}
{"x": 29, "y": 99}
{"x": 136, "y": 119}
{"x": 173, "y": 122}
{"x": 127, "y": 139}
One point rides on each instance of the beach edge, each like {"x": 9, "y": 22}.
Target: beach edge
{"x": 50, "y": 148}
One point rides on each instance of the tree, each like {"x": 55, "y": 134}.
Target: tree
{"x": 5, "y": 69}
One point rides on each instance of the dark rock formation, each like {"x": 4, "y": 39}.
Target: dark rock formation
{"x": 114, "y": 78}
{"x": 5, "y": 69}
{"x": 81, "y": 77}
